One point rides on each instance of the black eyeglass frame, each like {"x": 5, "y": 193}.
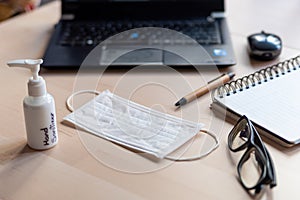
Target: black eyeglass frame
{"x": 253, "y": 143}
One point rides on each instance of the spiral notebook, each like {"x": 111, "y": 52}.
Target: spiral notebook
{"x": 270, "y": 98}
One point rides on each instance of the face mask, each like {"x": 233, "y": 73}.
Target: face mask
{"x": 132, "y": 125}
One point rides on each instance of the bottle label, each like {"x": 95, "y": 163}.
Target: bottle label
{"x": 52, "y": 128}
{"x": 46, "y": 134}
{"x": 49, "y": 130}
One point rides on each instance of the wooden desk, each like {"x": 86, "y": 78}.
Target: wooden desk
{"x": 73, "y": 170}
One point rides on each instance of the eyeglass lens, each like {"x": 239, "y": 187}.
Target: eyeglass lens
{"x": 241, "y": 135}
{"x": 251, "y": 168}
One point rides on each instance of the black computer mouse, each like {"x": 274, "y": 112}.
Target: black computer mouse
{"x": 264, "y": 46}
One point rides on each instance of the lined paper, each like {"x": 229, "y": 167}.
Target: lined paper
{"x": 274, "y": 105}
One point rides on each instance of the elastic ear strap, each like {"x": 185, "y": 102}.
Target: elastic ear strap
{"x": 178, "y": 159}
{"x": 70, "y": 98}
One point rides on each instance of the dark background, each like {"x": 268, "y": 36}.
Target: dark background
{"x": 45, "y": 1}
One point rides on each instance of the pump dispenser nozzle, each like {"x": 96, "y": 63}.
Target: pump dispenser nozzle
{"x": 33, "y": 65}
{"x": 36, "y": 84}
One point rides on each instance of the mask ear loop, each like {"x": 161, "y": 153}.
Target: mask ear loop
{"x": 70, "y": 98}
{"x": 193, "y": 158}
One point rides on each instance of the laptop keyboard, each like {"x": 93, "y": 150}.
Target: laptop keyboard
{"x": 205, "y": 31}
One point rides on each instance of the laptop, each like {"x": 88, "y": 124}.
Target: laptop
{"x": 84, "y": 24}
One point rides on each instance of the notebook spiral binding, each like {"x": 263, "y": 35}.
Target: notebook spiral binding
{"x": 258, "y": 77}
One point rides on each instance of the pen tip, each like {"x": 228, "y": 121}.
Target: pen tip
{"x": 181, "y": 102}
{"x": 231, "y": 74}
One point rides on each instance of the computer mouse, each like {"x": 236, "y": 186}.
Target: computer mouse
{"x": 264, "y": 46}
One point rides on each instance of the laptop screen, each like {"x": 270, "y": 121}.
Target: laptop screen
{"x": 140, "y": 8}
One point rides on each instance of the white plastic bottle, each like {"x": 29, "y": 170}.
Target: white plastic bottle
{"x": 39, "y": 108}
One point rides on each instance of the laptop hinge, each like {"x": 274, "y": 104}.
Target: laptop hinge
{"x": 68, "y": 16}
{"x": 217, "y": 15}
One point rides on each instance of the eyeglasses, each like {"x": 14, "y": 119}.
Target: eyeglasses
{"x": 255, "y": 168}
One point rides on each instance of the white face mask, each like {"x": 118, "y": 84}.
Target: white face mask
{"x": 127, "y": 123}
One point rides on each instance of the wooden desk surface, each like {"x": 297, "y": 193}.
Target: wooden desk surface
{"x": 82, "y": 167}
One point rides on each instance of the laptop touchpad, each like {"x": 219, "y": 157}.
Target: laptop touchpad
{"x": 127, "y": 56}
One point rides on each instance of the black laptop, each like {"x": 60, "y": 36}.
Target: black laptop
{"x": 85, "y": 24}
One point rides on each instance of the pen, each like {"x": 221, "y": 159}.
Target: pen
{"x": 203, "y": 90}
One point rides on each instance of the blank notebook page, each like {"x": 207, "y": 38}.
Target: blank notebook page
{"x": 274, "y": 104}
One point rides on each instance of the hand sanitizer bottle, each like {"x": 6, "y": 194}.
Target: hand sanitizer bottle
{"x": 39, "y": 108}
